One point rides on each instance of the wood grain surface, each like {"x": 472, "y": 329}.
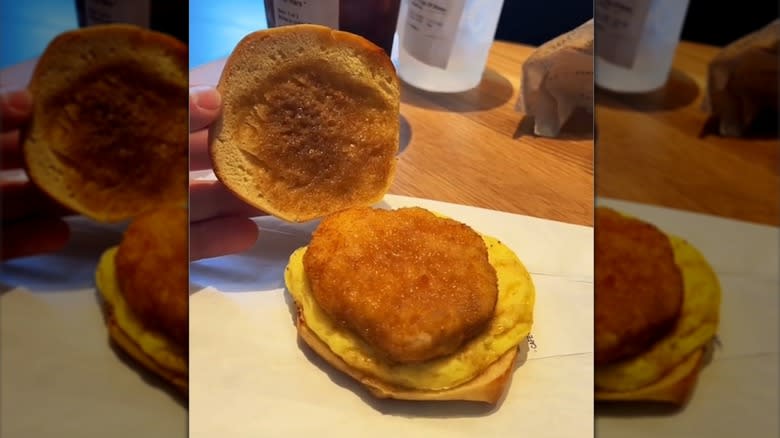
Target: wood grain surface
{"x": 661, "y": 148}
{"x": 474, "y": 149}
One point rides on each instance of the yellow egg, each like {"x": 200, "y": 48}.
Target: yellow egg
{"x": 162, "y": 351}
{"x": 695, "y": 328}
{"x": 510, "y": 325}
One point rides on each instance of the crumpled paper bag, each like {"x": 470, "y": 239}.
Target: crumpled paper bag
{"x": 557, "y": 79}
{"x": 742, "y": 80}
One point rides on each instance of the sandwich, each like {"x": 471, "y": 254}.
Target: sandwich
{"x": 143, "y": 283}
{"x": 657, "y": 309}
{"x": 309, "y": 123}
{"x": 108, "y": 135}
{"x": 411, "y": 304}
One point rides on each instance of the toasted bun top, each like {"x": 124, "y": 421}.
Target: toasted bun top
{"x": 309, "y": 123}
{"x": 108, "y": 134}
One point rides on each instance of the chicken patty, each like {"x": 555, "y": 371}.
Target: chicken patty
{"x": 152, "y": 270}
{"x": 414, "y": 286}
{"x": 639, "y": 288}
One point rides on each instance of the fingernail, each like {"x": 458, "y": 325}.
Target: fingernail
{"x": 18, "y": 101}
{"x": 205, "y": 97}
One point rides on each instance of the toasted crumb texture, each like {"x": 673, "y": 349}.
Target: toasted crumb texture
{"x": 639, "y": 288}
{"x": 108, "y": 137}
{"x": 310, "y": 122}
{"x": 433, "y": 273}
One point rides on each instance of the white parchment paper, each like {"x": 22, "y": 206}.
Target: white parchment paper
{"x": 737, "y": 392}
{"x": 250, "y": 377}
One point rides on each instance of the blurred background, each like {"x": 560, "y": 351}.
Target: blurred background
{"x": 215, "y": 27}
{"x": 719, "y": 22}
{"x": 25, "y": 32}
{"x": 664, "y": 157}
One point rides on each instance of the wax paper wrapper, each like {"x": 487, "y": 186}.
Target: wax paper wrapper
{"x": 557, "y": 79}
{"x": 742, "y": 80}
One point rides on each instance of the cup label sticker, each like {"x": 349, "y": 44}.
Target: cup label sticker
{"x": 619, "y": 25}
{"x": 117, "y": 11}
{"x": 323, "y": 12}
{"x": 430, "y": 29}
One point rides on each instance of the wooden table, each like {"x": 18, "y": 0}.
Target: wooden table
{"x": 474, "y": 149}
{"x": 663, "y": 149}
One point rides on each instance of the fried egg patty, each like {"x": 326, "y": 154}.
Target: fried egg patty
{"x": 143, "y": 283}
{"x": 160, "y": 348}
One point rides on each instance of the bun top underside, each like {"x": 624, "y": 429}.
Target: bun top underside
{"x": 108, "y": 134}
{"x": 309, "y": 123}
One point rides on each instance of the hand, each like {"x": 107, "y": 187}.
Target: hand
{"x": 219, "y": 222}
{"x": 31, "y": 222}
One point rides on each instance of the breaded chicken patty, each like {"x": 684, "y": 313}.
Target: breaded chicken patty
{"x": 639, "y": 288}
{"x": 152, "y": 270}
{"x": 412, "y": 285}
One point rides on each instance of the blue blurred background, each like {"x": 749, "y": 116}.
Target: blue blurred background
{"x": 217, "y": 26}
{"x": 27, "y": 26}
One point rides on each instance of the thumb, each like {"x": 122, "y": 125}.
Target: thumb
{"x": 205, "y": 104}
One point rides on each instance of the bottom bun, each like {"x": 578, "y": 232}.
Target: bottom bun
{"x": 487, "y": 387}
{"x": 675, "y": 387}
{"x": 120, "y": 328}
{"x": 129, "y": 346}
